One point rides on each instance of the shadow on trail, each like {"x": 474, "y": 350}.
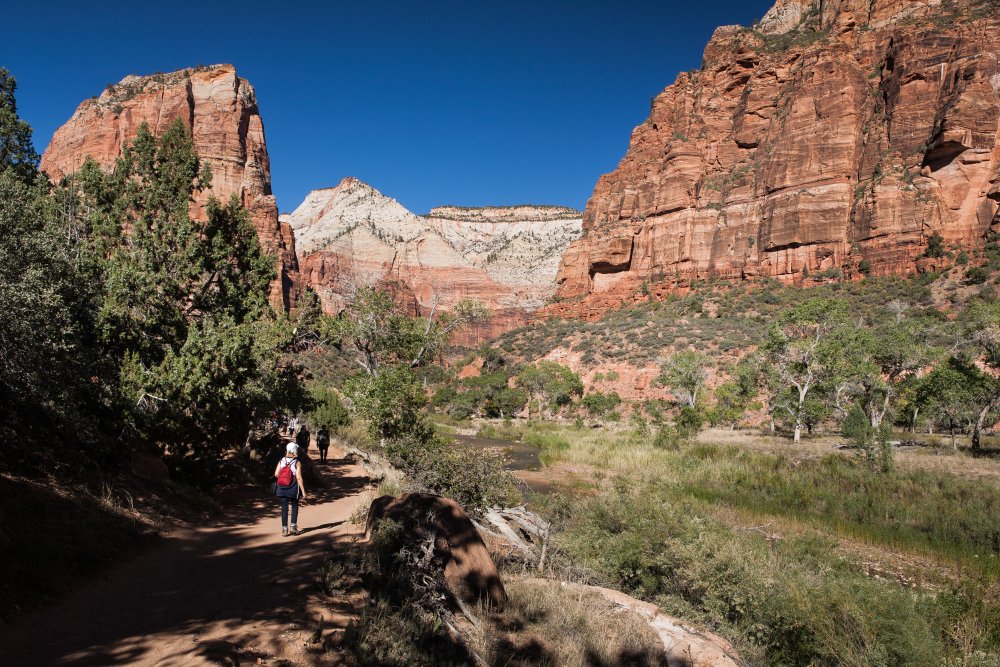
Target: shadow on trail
{"x": 231, "y": 574}
{"x": 330, "y": 483}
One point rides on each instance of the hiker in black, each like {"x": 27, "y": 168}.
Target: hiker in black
{"x": 289, "y": 494}
{"x": 302, "y": 440}
{"x": 323, "y": 442}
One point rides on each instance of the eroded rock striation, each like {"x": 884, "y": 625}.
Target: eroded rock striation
{"x": 834, "y": 136}
{"x": 220, "y": 109}
{"x": 504, "y": 257}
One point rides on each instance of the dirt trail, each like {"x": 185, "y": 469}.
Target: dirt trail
{"x": 231, "y": 592}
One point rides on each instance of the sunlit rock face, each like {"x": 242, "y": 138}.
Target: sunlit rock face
{"x": 831, "y": 134}
{"x": 220, "y": 110}
{"x": 503, "y": 257}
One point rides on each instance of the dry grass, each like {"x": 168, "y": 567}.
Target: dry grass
{"x": 941, "y": 458}
{"x": 545, "y": 624}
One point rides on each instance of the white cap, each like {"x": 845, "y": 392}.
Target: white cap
{"x": 292, "y": 448}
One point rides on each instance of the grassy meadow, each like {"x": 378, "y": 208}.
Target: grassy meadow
{"x": 797, "y": 557}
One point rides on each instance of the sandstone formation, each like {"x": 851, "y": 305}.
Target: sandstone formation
{"x": 220, "y": 109}
{"x": 504, "y": 257}
{"x": 834, "y": 137}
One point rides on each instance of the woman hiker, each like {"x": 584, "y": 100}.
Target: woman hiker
{"x": 289, "y": 469}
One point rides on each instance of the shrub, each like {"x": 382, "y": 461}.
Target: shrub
{"x": 667, "y": 437}
{"x": 935, "y": 246}
{"x": 476, "y": 479}
{"x": 977, "y": 275}
{"x": 689, "y": 421}
{"x": 598, "y": 404}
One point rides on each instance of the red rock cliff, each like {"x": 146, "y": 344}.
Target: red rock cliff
{"x": 220, "y": 109}
{"x": 832, "y": 133}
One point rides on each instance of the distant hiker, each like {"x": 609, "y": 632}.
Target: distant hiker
{"x": 291, "y": 487}
{"x": 323, "y": 442}
{"x": 302, "y": 440}
{"x": 293, "y": 423}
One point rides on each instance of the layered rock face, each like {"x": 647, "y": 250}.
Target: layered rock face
{"x": 504, "y": 257}
{"x": 220, "y": 109}
{"x": 834, "y": 136}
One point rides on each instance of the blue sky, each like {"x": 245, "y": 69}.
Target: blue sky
{"x": 467, "y": 103}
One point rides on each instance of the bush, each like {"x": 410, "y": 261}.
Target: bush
{"x": 476, "y": 480}
{"x": 667, "y": 437}
{"x": 977, "y": 275}
{"x": 598, "y": 404}
{"x": 689, "y": 421}
{"x": 935, "y": 246}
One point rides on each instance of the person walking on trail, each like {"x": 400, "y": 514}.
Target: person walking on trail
{"x": 323, "y": 442}
{"x": 302, "y": 440}
{"x": 291, "y": 487}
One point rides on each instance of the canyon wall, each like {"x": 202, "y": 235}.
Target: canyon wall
{"x": 220, "y": 110}
{"x": 835, "y": 137}
{"x": 504, "y": 257}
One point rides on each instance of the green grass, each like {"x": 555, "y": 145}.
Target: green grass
{"x": 937, "y": 513}
{"x": 663, "y": 528}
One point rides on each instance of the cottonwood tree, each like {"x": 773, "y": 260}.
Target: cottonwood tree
{"x": 379, "y": 334}
{"x": 685, "y": 374}
{"x": 803, "y": 354}
{"x": 949, "y": 392}
{"x": 550, "y": 382}
{"x": 982, "y": 324}
{"x": 387, "y": 345}
{"x": 738, "y": 394}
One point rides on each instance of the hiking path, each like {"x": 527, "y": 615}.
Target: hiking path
{"x": 230, "y": 592}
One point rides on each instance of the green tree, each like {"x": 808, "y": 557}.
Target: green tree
{"x": 803, "y": 353}
{"x": 551, "y": 382}
{"x": 935, "y": 246}
{"x": 17, "y": 153}
{"x": 981, "y": 324}
{"x": 599, "y": 404}
{"x": 949, "y": 392}
{"x": 54, "y": 384}
{"x": 392, "y": 403}
{"x": 182, "y": 304}
{"x": 327, "y": 409}
{"x": 386, "y": 342}
{"x": 738, "y": 394}
{"x": 685, "y": 374}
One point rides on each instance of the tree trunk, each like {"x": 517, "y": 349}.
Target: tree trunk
{"x": 954, "y": 443}
{"x": 913, "y": 421}
{"x": 978, "y": 430}
{"x": 798, "y": 432}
